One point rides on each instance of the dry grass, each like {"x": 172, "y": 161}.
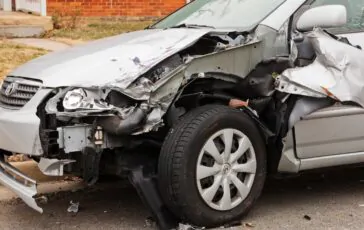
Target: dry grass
{"x": 95, "y": 29}
{"x": 13, "y": 55}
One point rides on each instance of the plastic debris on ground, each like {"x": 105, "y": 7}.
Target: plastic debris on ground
{"x": 232, "y": 227}
{"x": 249, "y": 225}
{"x": 42, "y": 200}
{"x": 73, "y": 207}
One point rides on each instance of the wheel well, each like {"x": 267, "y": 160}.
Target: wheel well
{"x": 256, "y": 88}
{"x": 215, "y": 91}
{"x": 200, "y": 92}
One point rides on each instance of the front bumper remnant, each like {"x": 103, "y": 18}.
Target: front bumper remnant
{"x": 23, "y": 186}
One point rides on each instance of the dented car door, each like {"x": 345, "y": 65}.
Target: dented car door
{"x": 337, "y": 129}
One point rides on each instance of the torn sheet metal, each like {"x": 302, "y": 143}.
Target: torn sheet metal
{"x": 337, "y": 71}
{"x": 283, "y": 84}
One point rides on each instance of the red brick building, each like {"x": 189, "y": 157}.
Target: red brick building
{"x": 137, "y": 8}
{"x": 98, "y": 8}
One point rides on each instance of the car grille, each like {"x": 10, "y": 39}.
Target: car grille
{"x": 15, "y": 92}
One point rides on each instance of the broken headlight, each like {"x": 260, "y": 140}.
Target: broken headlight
{"x": 82, "y": 99}
{"x": 73, "y": 99}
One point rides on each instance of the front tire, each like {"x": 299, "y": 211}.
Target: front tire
{"x": 212, "y": 166}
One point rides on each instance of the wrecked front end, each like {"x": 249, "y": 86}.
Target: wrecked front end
{"x": 103, "y": 126}
{"x": 116, "y": 125}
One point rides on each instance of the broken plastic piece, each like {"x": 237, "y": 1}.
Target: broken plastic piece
{"x": 23, "y": 186}
{"x": 53, "y": 167}
{"x": 42, "y": 200}
{"x": 249, "y": 225}
{"x": 73, "y": 207}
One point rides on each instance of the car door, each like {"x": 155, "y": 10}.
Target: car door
{"x": 338, "y": 129}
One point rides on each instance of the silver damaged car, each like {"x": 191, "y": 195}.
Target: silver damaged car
{"x": 197, "y": 108}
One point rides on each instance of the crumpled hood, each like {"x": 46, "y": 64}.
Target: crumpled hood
{"x": 117, "y": 60}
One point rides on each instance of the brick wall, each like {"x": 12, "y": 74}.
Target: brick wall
{"x": 129, "y": 8}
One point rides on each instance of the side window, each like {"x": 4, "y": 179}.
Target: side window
{"x": 355, "y": 9}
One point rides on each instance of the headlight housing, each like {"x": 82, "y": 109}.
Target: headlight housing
{"x": 73, "y": 99}
{"x": 82, "y": 99}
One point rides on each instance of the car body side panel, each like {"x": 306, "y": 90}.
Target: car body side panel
{"x": 330, "y": 131}
{"x": 237, "y": 61}
{"x": 275, "y": 42}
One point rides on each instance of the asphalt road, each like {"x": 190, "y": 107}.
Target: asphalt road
{"x": 332, "y": 200}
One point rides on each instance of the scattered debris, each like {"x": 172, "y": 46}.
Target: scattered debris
{"x": 73, "y": 207}
{"x": 42, "y": 200}
{"x": 233, "y": 226}
{"x": 71, "y": 178}
{"x": 307, "y": 217}
{"x": 187, "y": 227}
{"x": 249, "y": 225}
{"x": 18, "y": 158}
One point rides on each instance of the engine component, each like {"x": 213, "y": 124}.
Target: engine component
{"x": 118, "y": 126}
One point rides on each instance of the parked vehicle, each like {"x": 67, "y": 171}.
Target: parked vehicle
{"x": 209, "y": 100}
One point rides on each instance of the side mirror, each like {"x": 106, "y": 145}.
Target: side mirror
{"x": 322, "y": 16}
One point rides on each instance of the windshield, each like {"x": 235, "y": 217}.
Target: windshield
{"x": 242, "y": 14}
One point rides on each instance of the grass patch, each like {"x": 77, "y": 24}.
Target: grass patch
{"x": 96, "y": 29}
{"x": 13, "y": 55}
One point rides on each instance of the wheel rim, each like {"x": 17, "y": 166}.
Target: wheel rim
{"x": 226, "y": 169}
